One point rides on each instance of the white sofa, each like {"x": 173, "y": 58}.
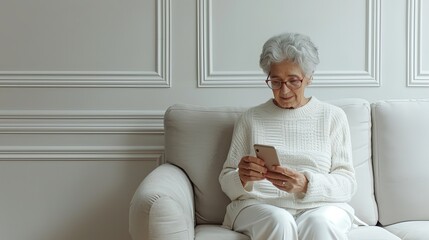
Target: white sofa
{"x": 182, "y": 199}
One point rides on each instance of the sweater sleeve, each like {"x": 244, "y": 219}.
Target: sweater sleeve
{"x": 339, "y": 185}
{"x": 229, "y": 178}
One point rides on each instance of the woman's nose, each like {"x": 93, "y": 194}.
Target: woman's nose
{"x": 284, "y": 88}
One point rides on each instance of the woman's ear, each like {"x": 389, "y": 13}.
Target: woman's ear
{"x": 310, "y": 80}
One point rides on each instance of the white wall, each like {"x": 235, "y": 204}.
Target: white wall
{"x": 84, "y": 84}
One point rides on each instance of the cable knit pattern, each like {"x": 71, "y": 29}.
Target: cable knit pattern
{"x": 313, "y": 139}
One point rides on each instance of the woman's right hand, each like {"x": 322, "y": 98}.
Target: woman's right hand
{"x": 251, "y": 169}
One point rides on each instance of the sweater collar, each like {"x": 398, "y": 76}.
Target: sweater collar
{"x": 304, "y": 110}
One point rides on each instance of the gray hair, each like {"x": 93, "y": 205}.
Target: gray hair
{"x": 293, "y": 47}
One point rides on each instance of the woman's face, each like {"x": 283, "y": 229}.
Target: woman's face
{"x": 286, "y": 97}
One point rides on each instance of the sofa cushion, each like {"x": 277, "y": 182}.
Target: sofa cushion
{"x": 371, "y": 233}
{"x": 216, "y": 232}
{"x": 358, "y": 113}
{"x": 197, "y": 140}
{"x": 400, "y": 147}
{"x": 415, "y": 230}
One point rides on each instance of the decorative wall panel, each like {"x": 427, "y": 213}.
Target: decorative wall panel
{"x": 229, "y": 46}
{"x": 85, "y": 44}
{"x": 417, "y": 48}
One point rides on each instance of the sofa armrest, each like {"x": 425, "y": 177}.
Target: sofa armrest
{"x": 163, "y": 206}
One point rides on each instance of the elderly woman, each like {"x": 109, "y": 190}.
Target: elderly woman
{"x": 305, "y": 197}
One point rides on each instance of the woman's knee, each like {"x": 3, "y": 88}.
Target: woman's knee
{"x": 332, "y": 223}
{"x": 282, "y": 218}
{"x": 316, "y": 220}
{"x": 266, "y": 222}
{"x": 281, "y": 225}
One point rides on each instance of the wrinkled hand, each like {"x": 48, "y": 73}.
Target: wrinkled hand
{"x": 287, "y": 179}
{"x": 251, "y": 169}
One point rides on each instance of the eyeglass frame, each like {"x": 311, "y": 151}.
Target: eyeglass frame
{"x": 283, "y": 82}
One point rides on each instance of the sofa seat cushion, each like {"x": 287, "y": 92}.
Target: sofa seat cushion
{"x": 413, "y": 230}
{"x": 371, "y": 233}
{"x": 217, "y": 232}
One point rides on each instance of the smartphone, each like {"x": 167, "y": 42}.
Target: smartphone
{"x": 268, "y": 154}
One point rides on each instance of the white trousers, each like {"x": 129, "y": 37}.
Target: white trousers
{"x": 267, "y": 222}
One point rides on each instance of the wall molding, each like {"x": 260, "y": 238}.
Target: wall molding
{"x": 82, "y": 153}
{"x": 158, "y": 78}
{"x": 84, "y": 121}
{"x": 369, "y": 77}
{"x": 416, "y": 76}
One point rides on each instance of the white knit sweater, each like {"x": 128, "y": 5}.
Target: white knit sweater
{"x": 313, "y": 139}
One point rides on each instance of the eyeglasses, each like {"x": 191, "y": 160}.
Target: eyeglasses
{"x": 292, "y": 83}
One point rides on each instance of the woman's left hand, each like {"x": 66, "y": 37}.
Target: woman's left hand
{"x": 287, "y": 179}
